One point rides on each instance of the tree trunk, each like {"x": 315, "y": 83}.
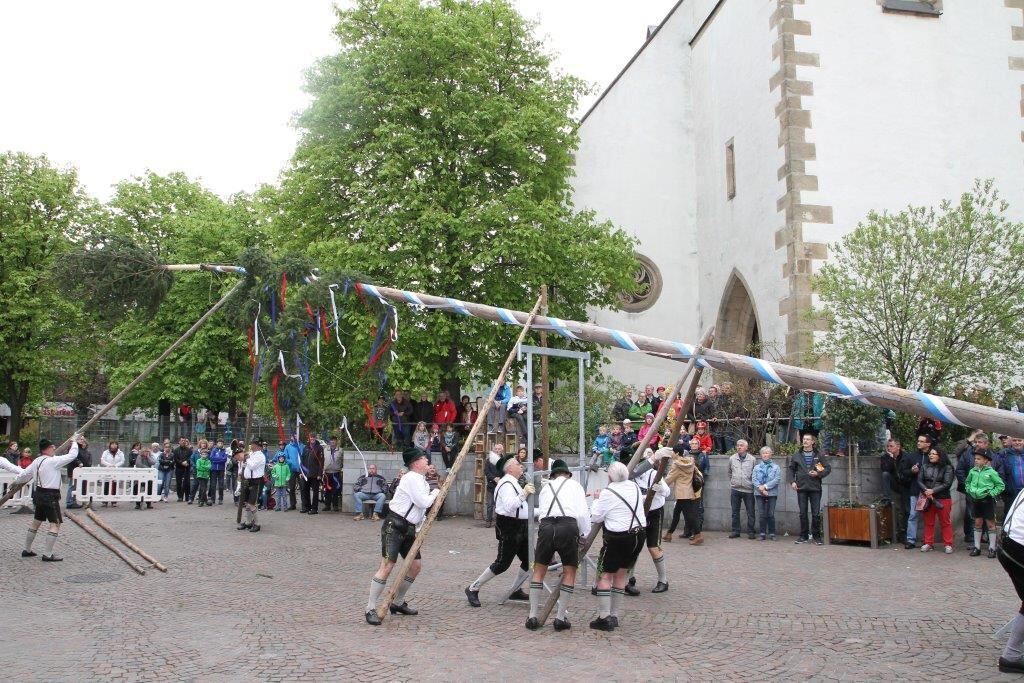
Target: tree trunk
{"x": 17, "y": 398}
{"x": 450, "y": 381}
{"x": 163, "y": 410}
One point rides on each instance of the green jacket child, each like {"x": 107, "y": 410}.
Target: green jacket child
{"x": 280, "y": 473}
{"x": 203, "y": 465}
{"x": 983, "y": 482}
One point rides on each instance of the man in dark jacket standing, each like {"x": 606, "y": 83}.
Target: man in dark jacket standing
{"x": 84, "y": 459}
{"x": 893, "y": 482}
{"x": 312, "y": 467}
{"x": 807, "y": 469}
{"x": 401, "y": 410}
{"x": 423, "y": 410}
{"x": 182, "y": 462}
{"x": 909, "y": 469}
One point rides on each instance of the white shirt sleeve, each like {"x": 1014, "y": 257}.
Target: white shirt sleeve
{"x": 601, "y": 507}
{"x": 9, "y": 466}
{"x": 30, "y": 471}
{"x": 583, "y": 515}
{"x": 421, "y": 495}
{"x": 61, "y": 460}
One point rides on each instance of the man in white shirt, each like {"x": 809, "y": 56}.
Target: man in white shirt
{"x": 253, "y": 469}
{"x": 406, "y": 511}
{"x": 510, "y": 527}
{"x": 44, "y": 473}
{"x": 646, "y": 482}
{"x": 564, "y": 523}
{"x": 620, "y": 507}
{"x": 8, "y": 466}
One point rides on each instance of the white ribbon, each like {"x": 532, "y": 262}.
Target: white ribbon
{"x": 256, "y": 328}
{"x": 337, "y": 322}
{"x": 280, "y": 358}
{"x": 344, "y": 428}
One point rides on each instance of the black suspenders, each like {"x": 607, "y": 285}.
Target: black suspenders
{"x": 634, "y": 508}
{"x": 554, "y": 499}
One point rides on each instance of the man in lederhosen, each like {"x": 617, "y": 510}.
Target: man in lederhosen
{"x": 620, "y": 507}
{"x": 654, "y": 519}
{"x": 406, "y": 510}
{"x": 564, "y": 523}
{"x": 511, "y": 512}
{"x": 253, "y": 469}
{"x": 44, "y": 472}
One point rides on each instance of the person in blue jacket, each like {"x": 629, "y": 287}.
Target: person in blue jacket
{"x": 765, "y": 478}
{"x": 292, "y": 454}
{"x": 218, "y": 463}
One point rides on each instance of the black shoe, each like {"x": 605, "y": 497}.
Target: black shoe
{"x": 302, "y": 511}
{"x": 519, "y": 595}
{"x": 474, "y": 597}
{"x": 661, "y": 587}
{"x": 532, "y": 623}
{"x": 403, "y": 609}
{"x": 751, "y": 536}
{"x": 602, "y": 624}
{"x": 991, "y": 554}
{"x": 221, "y": 502}
{"x": 372, "y": 619}
{"x": 73, "y": 506}
{"x": 819, "y": 541}
{"x": 52, "y": 558}
{"x": 138, "y": 506}
{"x": 243, "y": 527}
{"x": 254, "y": 529}
{"x": 800, "y": 539}
{"x": 149, "y": 506}
{"x": 614, "y": 621}
{"x": 27, "y": 553}
{"x": 290, "y": 507}
{"x": 315, "y": 512}
{"x": 1011, "y": 666}
{"x": 734, "y": 534}
{"x": 632, "y": 591}
{"x": 975, "y": 552}
{"x": 562, "y": 625}
{"x": 190, "y": 502}
{"x": 909, "y": 546}
{"x": 593, "y": 591}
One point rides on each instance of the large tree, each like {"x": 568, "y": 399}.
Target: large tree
{"x": 176, "y": 220}
{"x": 929, "y": 299}
{"x": 436, "y": 156}
{"x": 42, "y": 208}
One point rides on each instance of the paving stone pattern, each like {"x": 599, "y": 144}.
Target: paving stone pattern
{"x": 286, "y": 604}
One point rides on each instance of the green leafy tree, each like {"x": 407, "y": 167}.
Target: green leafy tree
{"x": 178, "y": 221}
{"x": 436, "y": 156}
{"x": 929, "y": 299}
{"x": 42, "y": 208}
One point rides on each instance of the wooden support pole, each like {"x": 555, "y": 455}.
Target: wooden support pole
{"x": 641, "y": 447}
{"x": 105, "y": 543}
{"x": 143, "y": 375}
{"x": 481, "y": 419}
{"x": 131, "y": 546}
{"x": 545, "y": 399}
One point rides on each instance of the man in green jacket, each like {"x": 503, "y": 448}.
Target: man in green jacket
{"x": 983, "y": 485}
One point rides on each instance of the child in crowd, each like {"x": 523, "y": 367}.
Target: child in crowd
{"x": 615, "y": 440}
{"x": 280, "y": 473}
{"x": 203, "y": 467}
{"x": 517, "y": 406}
{"x": 449, "y": 445}
{"x": 703, "y": 437}
{"x": 26, "y": 458}
{"x": 435, "y": 439}
{"x": 601, "y": 449}
{"x": 983, "y": 485}
{"x": 646, "y": 427}
{"x": 421, "y": 437}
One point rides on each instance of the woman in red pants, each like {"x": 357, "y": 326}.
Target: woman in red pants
{"x": 935, "y": 478}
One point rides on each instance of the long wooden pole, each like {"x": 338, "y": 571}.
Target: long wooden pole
{"x": 389, "y": 596}
{"x": 903, "y": 400}
{"x": 641, "y": 447}
{"x": 131, "y": 546}
{"x": 143, "y": 375}
{"x": 105, "y": 543}
{"x": 545, "y": 405}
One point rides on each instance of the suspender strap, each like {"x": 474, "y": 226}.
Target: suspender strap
{"x": 554, "y": 499}
{"x": 634, "y": 508}
{"x": 496, "y": 496}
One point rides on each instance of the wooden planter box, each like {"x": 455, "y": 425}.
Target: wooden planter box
{"x": 866, "y": 524}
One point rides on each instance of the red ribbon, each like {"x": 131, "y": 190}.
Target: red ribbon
{"x": 284, "y": 288}
{"x": 252, "y": 355}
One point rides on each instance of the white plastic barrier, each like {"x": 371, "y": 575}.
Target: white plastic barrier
{"x": 115, "y": 485}
{"x": 22, "y": 497}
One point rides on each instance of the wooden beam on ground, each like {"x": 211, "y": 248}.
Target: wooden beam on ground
{"x": 105, "y": 543}
{"x": 481, "y": 419}
{"x": 641, "y": 447}
{"x": 131, "y": 546}
{"x": 142, "y": 375}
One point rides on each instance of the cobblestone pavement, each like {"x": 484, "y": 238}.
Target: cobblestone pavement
{"x": 287, "y": 604}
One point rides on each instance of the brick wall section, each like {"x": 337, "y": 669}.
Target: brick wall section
{"x": 1017, "y": 62}
{"x": 794, "y": 116}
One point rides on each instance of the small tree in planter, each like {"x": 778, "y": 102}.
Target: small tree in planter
{"x": 859, "y": 424}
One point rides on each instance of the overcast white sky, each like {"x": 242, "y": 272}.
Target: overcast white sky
{"x": 209, "y": 87}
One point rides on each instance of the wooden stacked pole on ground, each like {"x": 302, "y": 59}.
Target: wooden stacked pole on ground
{"x": 641, "y": 447}
{"x": 131, "y": 546}
{"x": 143, "y": 375}
{"x": 109, "y": 546}
{"x": 389, "y": 596}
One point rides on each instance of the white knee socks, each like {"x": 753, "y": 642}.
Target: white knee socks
{"x": 376, "y": 590}
{"x": 482, "y": 579}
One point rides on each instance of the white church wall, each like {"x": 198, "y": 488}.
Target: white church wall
{"x": 635, "y": 168}
{"x": 731, "y": 68}
{"x": 910, "y": 109}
